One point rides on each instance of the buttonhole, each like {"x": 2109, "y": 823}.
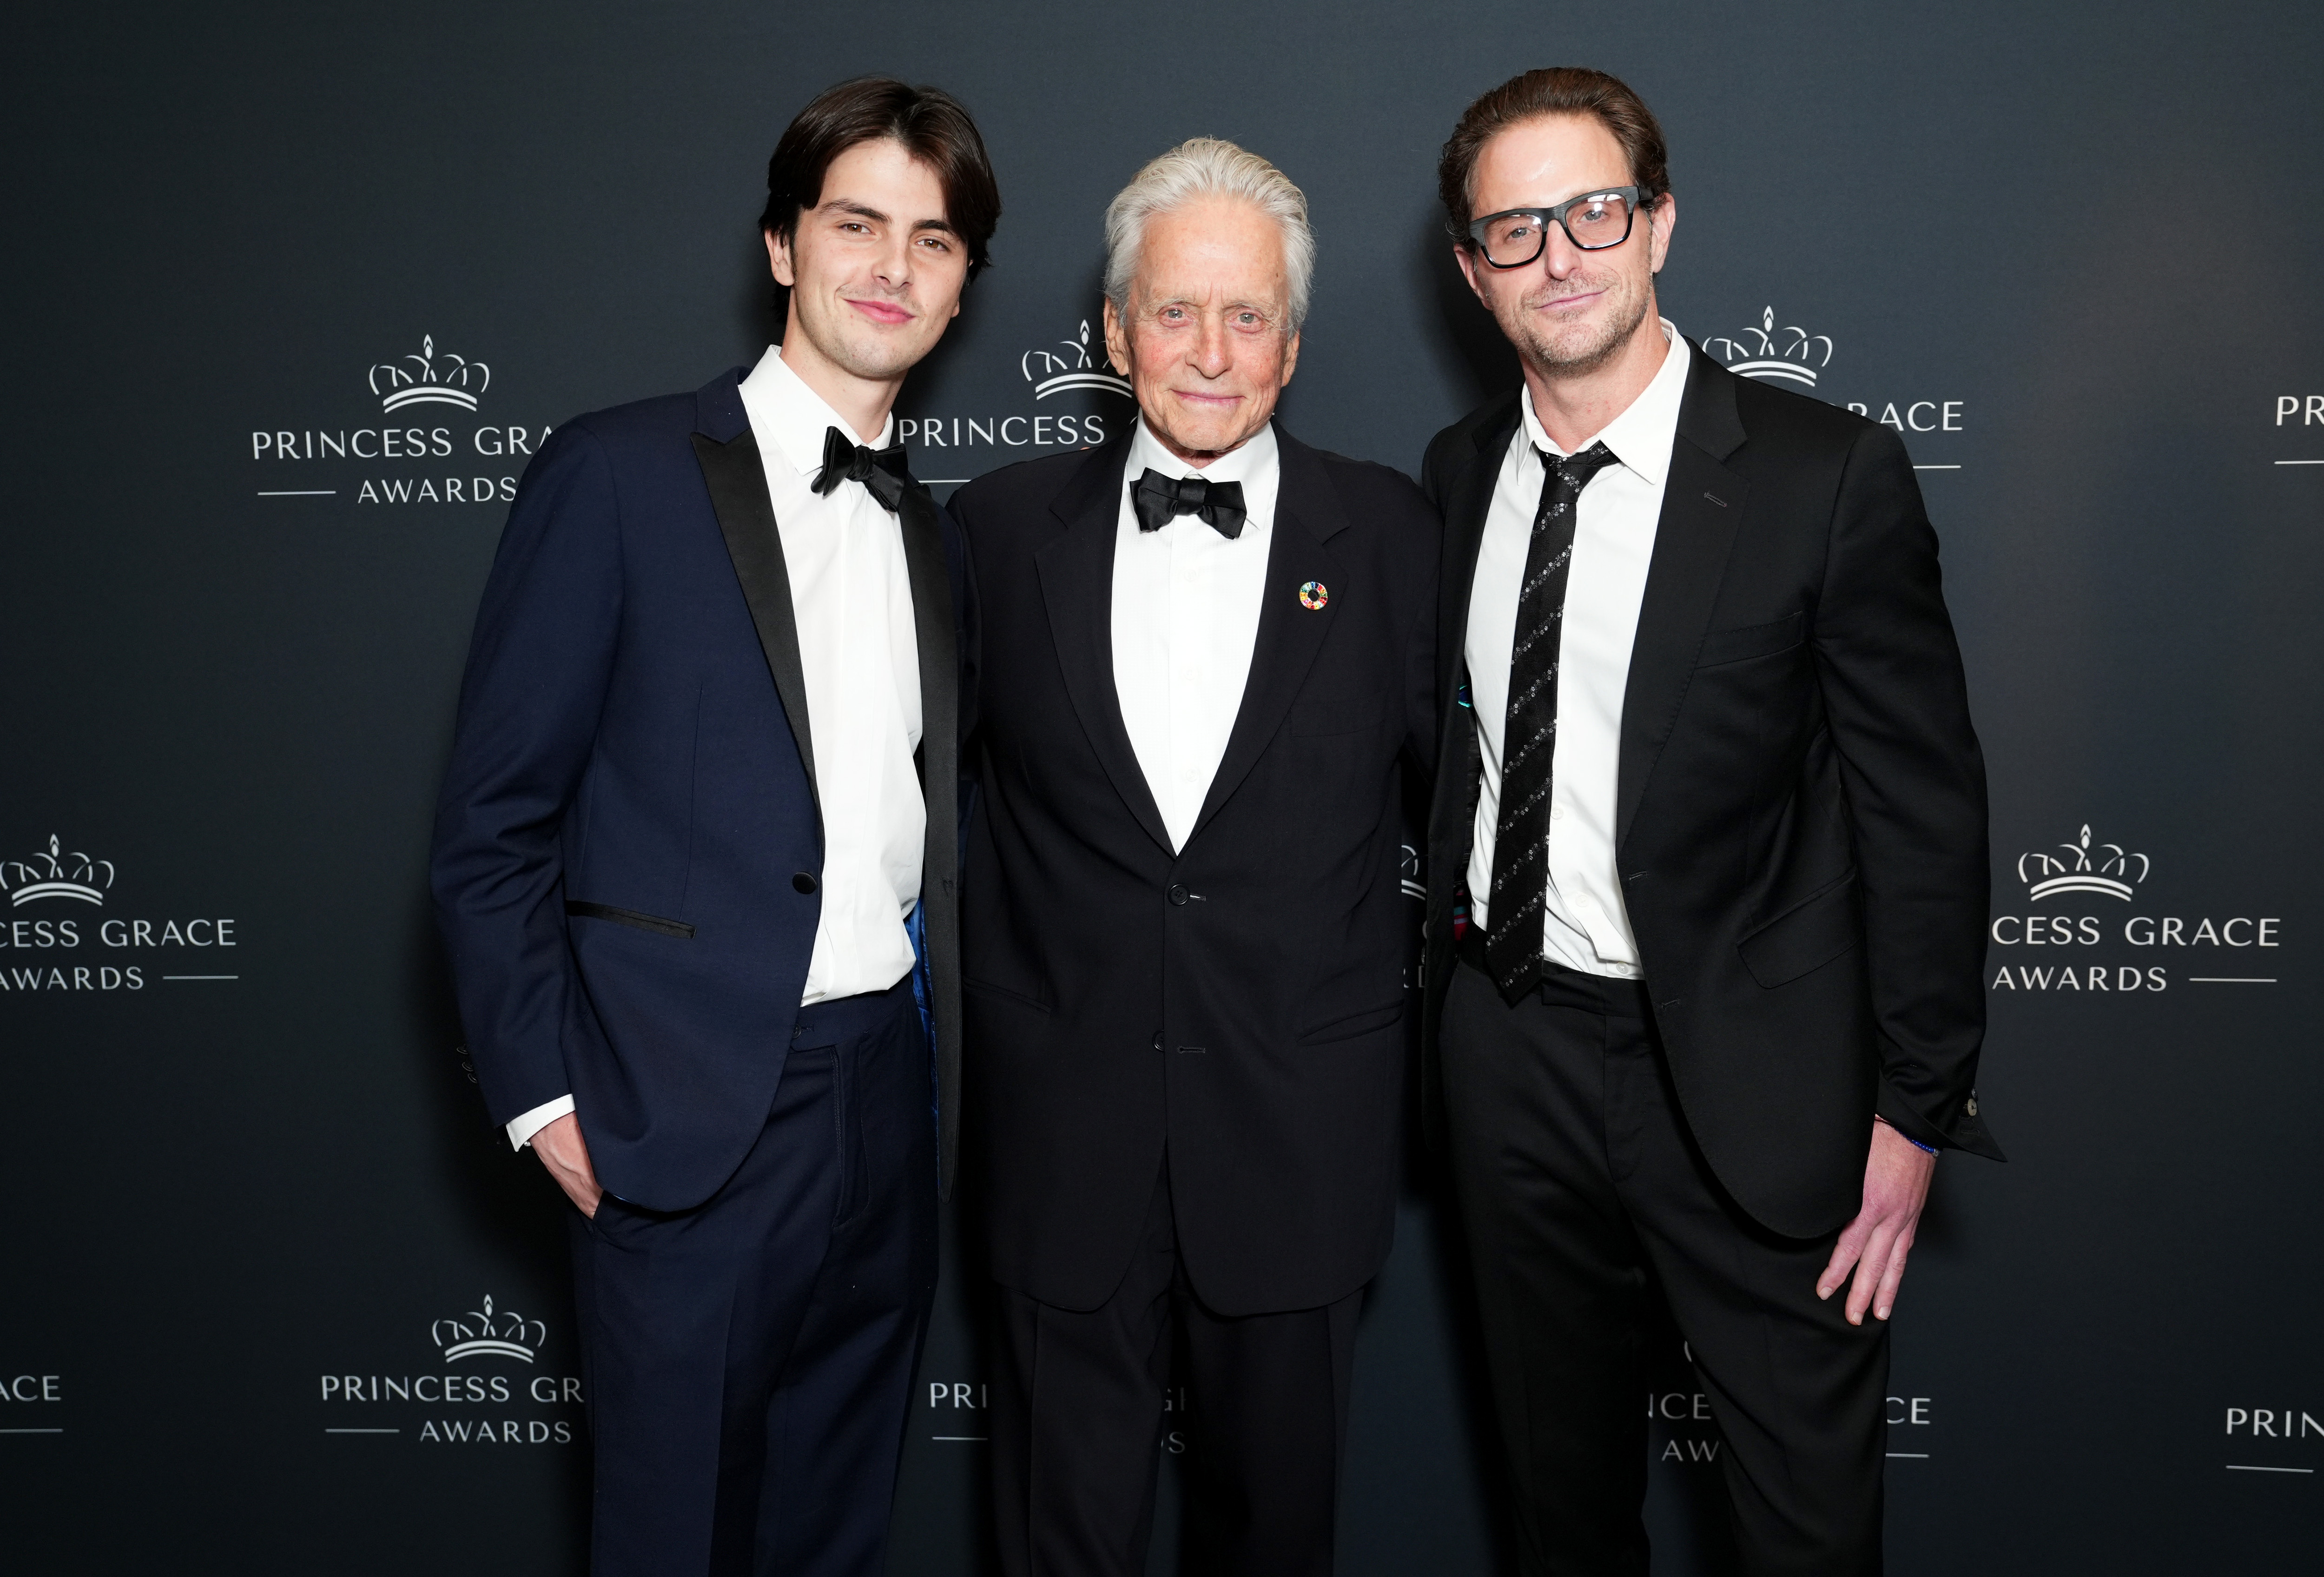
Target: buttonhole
{"x": 1716, "y": 499}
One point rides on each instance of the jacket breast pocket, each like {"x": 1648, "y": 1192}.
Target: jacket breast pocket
{"x": 1805, "y": 938}
{"x": 1746, "y": 642}
{"x": 633, "y": 919}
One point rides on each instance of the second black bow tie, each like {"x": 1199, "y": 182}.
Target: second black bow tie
{"x": 1157, "y": 498}
{"x": 885, "y": 472}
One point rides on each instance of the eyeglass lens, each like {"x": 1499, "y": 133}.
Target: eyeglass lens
{"x": 1596, "y": 221}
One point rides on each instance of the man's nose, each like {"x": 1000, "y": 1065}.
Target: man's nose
{"x": 1559, "y": 255}
{"x": 893, "y": 267}
{"x": 1212, "y": 356}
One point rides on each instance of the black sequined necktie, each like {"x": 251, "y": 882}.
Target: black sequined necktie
{"x": 1219, "y": 505}
{"x": 1529, "y": 736}
{"x": 884, "y": 472}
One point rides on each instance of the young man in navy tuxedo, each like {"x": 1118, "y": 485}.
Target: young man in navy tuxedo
{"x": 695, "y": 862}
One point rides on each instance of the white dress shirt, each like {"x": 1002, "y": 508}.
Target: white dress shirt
{"x": 1186, "y": 619}
{"x": 1584, "y": 924}
{"x": 852, "y": 598}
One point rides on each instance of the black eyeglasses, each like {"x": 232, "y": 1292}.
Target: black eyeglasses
{"x": 1592, "y": 222}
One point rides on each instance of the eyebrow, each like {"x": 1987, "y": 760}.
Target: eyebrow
{"x": 864, "y": 211}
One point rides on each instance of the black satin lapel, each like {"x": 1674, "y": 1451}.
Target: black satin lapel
{"x": 936, "y": 632}
{"x": 746, "y": 517}
{"x": 1290, "y": 634}
{"x": 1702, "y": 505}
{"x": 1076, "y": 569}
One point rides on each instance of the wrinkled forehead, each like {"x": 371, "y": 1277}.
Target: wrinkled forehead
{"x": 1212, "y": 251}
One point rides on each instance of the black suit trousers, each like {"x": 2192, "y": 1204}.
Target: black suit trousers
{"x": 1585, "y": 1197}
{"x": 1080, "y": 1401}
{"x": 748, "y": 1362}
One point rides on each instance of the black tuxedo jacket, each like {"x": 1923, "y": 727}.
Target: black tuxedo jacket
{"x": 1801, "y": 819}
{"x": 1239, "y": 1006}
{"x": 629, "y": 846}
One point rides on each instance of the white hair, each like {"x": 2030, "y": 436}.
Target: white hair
{"x": 1206, "y": 167}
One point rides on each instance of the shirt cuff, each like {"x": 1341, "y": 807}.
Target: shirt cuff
{"x": 522, "y": 1129}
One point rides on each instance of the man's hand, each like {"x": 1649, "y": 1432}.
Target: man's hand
{"x": 562, "y": 1151}
{"x": 1895, "y": 1187}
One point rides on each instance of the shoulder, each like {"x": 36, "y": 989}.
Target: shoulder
{"x": 1371, "y": 491}
{"x": 1456, "y": 445}
{"x": 1013, "y": 503}
{"x": 641, "y": 427}
{"x": 1799, "y": 426}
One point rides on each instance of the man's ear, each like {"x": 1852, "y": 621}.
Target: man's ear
{"x": 1290, "y": 358}
{"x": 1117, "y": 339}
{"x": 1660, "y": 224}
{"x": 779, "y": 259}
{"x": 1467, "y": 261}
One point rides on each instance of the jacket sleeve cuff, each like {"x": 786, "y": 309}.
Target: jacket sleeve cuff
{"x": 1965, "y": 1133}
{"x": 522, "y": 1129}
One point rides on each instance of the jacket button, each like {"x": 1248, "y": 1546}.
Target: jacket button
{"x": 1157, "y": 1040}
{"x": 801, "y": 881}
{"x": 1177, "y": 893}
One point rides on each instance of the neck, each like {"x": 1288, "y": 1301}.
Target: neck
{"x": 863, "y": 403}
{"x": 1574, "y": 406}
{"x": 1201, "y": 459}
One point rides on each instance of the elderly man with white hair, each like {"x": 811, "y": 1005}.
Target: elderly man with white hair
{"x": 1202, "y": 658}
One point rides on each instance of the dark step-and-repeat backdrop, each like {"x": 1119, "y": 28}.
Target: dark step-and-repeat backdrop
{"x": 292, "y": 293}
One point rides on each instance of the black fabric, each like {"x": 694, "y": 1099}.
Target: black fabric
{"x": 748, "y": 1362}
{"x": 1082, "y": 1399}
{"x": 886, "y": 474}
{"x": 1586, "y": 1201}
{"x": 1769, "y": 784}
{"x": 1530, "y": 734}
{"x": 1240, "y": 1003}
{"x": 1219, "y": 504}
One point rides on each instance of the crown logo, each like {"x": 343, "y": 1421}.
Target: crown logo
{"x": 430, "y": 379}
{"x": 1051, "y": 373}
{"x": 2104, "y": 867}
{"x": 505, "y": 1334}
{"x": 57, "y": 873}
{"x": 1768, "y": 352}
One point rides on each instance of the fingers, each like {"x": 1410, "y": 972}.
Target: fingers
{"x": 1844, "y": 1254}
{"x": 1871, "y": 1271}
{"x": 1884, "y": 1300}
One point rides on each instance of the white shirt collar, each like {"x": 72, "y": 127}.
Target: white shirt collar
{"x": 1257, "y": 456}
{"x": 785, "y": 412}
{"x": 1641, "y": 437}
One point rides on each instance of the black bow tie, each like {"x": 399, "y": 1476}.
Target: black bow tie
{"x": 885, "y": 472}
{"x": 1157, "y": 498}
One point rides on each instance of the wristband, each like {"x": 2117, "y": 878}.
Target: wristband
{"x": 1900, "y": 1133}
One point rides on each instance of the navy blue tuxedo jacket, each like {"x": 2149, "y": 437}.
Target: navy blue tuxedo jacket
{"x": 628, "y": 855}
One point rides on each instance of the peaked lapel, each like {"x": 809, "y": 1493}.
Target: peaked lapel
{"x": 1076, "y": 570}
{"x": 737, "y": 480}
{"x": 1702, "y": 506}
{"x": 1307, "y": 514}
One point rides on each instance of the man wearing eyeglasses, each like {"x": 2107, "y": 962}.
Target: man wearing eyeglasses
{"x": 1707, "y": 867}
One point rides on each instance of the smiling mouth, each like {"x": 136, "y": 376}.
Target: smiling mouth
{"x": 879, "y": 311}
{"x": 1561, "y": 303}
{"x": 1220, "y": 401}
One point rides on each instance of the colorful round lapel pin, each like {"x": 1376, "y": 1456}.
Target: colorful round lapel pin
{"x": 1314, "y": 594}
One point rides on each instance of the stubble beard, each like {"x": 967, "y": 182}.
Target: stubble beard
{"x": 867, "y": 354}
{"x": 1570, "y": 356}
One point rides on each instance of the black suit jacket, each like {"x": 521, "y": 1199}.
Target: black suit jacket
{"x": 1239, "y": 1006}
{"x": 1800, "y": 819}
{"x": 628, "y": 844}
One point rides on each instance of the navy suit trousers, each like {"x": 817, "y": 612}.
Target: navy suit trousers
{"x": 748, "y": 1362}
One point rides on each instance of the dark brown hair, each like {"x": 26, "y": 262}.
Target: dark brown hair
{"x": 1546, "y": 91}
{"x": 930, "y": 124}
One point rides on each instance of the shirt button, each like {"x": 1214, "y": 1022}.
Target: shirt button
{"x": 802, "y": 881}
{"x": 1557, "y": 812}
{"x": 1177, "y": 893}
{"x": 1971, "y": 1107}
